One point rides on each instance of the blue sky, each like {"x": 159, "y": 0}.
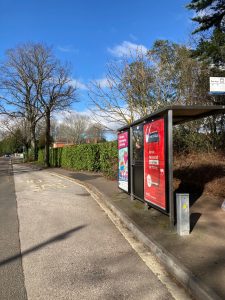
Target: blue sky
{"x": 91, "y": 33}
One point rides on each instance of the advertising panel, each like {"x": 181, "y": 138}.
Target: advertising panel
{"x": 123, "y": 160}
{"x": 154, "y": 163}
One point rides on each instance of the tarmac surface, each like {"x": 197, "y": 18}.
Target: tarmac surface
{"x": 71, "y": 249}
{"x": 11, "y": 271}
{"x": 201, "y": 255}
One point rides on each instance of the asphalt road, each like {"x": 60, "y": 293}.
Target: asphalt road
{"x": 70, "y": 248}
{"x": 11, "y": 271}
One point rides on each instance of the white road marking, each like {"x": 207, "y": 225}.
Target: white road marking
{"x": 149, "y": 258}
{"x": 38, "y": 186}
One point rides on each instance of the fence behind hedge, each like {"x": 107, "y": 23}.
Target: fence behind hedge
{"x": 100, "y": 157}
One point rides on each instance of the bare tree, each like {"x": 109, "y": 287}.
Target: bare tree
{"x": 53, "y": 86}
{"x": 73, "y": 128}
{"x": 18, "y": 96}
{"x": 95, "y": 133}
{"x": 139, "y": 84}
{"x": 11, "y": 126}
{"x": 77, "y": 128}
{"x": 125, "y": 94}
{"x": 178, "y": 77}
{"x": 34, "y": 84}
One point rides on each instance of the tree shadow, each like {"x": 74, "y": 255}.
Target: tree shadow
{"x": 56, "y": 238}
{"x": 194, "y": 179}
{"x": 4, "y": 173}
{"x": 84, "y": 176}
{"x": 25, "y": 170}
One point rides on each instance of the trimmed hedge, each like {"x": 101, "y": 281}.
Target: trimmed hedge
{"x": 102, "y": 157}
{"x": 108, "y": 159}
{"x": 41, "y": 156}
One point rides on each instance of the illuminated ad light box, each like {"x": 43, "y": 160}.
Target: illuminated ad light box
{"x": 154, "y": 163}
{"x": 123, "y": 160}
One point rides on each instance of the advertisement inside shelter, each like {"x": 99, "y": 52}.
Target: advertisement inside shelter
{"x": 123, "y": 160}
{"x": 154, "y": 163}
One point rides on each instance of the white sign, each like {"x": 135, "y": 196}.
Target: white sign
{"x": 217, "y": 85}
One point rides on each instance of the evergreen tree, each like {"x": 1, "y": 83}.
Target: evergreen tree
{"x": 210, "y": 14}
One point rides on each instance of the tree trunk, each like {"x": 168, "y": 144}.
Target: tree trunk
{"x": 47, "y": 138}
{"x": 26, "y": 152}
{"x": 34, "y": 142}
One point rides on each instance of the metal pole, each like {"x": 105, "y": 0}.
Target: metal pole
{"x": 131, "y": 164}
{"x": 170, "y": 167}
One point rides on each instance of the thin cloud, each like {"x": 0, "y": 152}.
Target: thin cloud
{"x": 95, "y": 117}
{"x": 67, "y": 49}
{"x": 104, "y": 82}
{"x": 133, "y": 37}
{"x": 127, "y": 49}
{"x": 78, "y": 84}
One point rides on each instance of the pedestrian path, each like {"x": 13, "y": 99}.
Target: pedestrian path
{"x": 199, "y": 256}
{"x": 71, "y": 249}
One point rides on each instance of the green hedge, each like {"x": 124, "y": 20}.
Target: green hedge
{"x": 100, "y": 157}
{"x": 41, "y": 156}
{"x": 108, "y": 159}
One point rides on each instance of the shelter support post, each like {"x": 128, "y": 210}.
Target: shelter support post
{"x": 170, "y": 168}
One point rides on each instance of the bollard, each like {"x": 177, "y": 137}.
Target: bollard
{"x": 183, "y": 217}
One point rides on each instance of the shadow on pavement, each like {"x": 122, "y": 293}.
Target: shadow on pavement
{"x": 54, "y": 239}
{"x": 194, "y": 217}
{"x": 84, "y": 177}
{"x": 24, "y": 170}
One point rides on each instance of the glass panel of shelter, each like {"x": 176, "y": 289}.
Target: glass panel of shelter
{"x": 138, "y": 161}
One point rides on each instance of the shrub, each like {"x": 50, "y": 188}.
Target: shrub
{"x": 109, "y": 159}
{"x": 41, "y": 156}
{"x": 87, "y": 157}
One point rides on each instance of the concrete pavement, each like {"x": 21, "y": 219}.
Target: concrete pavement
{"x": 72, "y": 250}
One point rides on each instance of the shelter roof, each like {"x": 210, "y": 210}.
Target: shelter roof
{"x": 181, "y": 114}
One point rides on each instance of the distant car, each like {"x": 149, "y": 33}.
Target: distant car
{"x": 7, "y": 155}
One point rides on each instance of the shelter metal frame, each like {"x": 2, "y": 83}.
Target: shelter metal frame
{"x": 174, "y": 115}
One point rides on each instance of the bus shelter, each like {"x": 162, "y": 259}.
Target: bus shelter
{"x": 145, "y": 149}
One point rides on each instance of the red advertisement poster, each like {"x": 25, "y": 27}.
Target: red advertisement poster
{"x": 123, "y": 160}
{"x": 154, "y": 163}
